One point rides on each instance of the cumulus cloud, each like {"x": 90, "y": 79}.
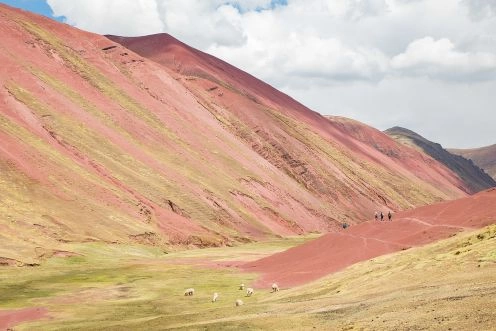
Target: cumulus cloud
{"x": 349, "y": 39}
{"x": 333, "y": 59}
{"x": 356, "y": 47}
{"x": 126, "y": 17}
{"x": 440, "y": 58}
{"x": 329, "y": 61}
{"x": 202, "y": 23}
{"x": 357, "y": 9}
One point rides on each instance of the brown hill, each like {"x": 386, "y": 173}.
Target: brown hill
{"x": 337, "y": 250}
{"x": 484, "y": 157}
{"x": 102, "y": 144}
{"x": 474, "y": 177}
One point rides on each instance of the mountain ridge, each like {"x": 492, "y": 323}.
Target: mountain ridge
{"x": 483, "y": 157}
{"x": 101, "y": 144}
{"x": 159, "y": 51}
{"x": 474, "y": 177}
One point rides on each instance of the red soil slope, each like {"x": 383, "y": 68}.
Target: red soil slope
{"x": 364, "y": 241}
{"x": 10, "y": 318}
{"x": 99, "y": 143}
{"x": 249, "y": 101}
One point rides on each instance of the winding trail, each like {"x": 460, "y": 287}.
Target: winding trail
{"x": 460, "y": 227}
{"x": 366, "y": 240}
{"x": 338, "y": 250}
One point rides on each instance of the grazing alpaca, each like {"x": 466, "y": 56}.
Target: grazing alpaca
{"x": 189, "y": 292}
{"x": 275, "y": 287}
{"x": 242, "y": 287}
{"x": 214, "y": 298}
{"x": 239, "y": 302}
{"x": 249, "y": 292}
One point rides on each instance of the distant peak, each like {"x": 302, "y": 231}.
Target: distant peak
{"x": 402, "y": 131}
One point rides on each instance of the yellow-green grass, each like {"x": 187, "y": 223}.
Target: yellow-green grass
{"x": 188, "y": 164}
{"x": 86, "y": 140}
{"x": 361, "y": 176}
{"x": 402, "y": 190}
{"x": 105, "y": 86}
{"x": 110, "y": 285}
{"x": 448, "y": 284}
{"x": 95, "y": 77}
{"x": 136, "y": 174}
{"x": 67, "y": 169}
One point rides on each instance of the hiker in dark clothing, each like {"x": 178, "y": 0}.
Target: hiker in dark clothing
{"x": 382, "y": 216}
{"x": 390, "y": 216}
{"x": 376, "y": 215}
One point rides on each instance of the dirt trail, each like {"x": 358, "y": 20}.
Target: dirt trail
{"x": 460, "y": 227}
{"x": 337, "y": 250}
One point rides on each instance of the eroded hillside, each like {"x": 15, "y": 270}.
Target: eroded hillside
{"x": 473, "y": 177}
{"x": 99, "y": 143}
{"x": 484, "y": 157}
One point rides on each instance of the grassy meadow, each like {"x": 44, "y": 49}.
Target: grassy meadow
{"x": 446, "y": 285}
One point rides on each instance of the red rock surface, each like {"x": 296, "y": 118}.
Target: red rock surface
{"x": 10, "y": 318}
{"x": 335, "y": 251}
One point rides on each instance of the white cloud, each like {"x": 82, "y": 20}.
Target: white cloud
{"x": 331, "y": 58}
{"x": 454, "y": 115}
{"x": 366, "y": 49}
{"x": 480, "y": 9}
{"x": 440, "y": 58}
{"x": 289, "y": 60}
{"x": 202, "y": 23}
{"x": 122, "y": 17}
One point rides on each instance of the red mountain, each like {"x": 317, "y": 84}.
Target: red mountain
{"x": 148, "y": 140}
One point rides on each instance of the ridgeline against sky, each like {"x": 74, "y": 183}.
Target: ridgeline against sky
{"x": 425, "y": 65}
{"x": 148, "y": 140}
{"x": 120, "y": 157}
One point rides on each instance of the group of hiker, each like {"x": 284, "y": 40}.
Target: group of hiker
{"x": 379, "y": 214}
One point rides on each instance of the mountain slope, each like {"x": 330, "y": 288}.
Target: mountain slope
{"x": 235, "y": 97}
{"x": 473, "y": 177}
{"x": 100, "y": 144}
{"x": 338, "y": 250}
{"x": 484, "y": 157}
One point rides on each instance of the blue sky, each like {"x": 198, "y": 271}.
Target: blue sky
{"x": 273, "y": 4}
{"x": 35, "y": 6}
